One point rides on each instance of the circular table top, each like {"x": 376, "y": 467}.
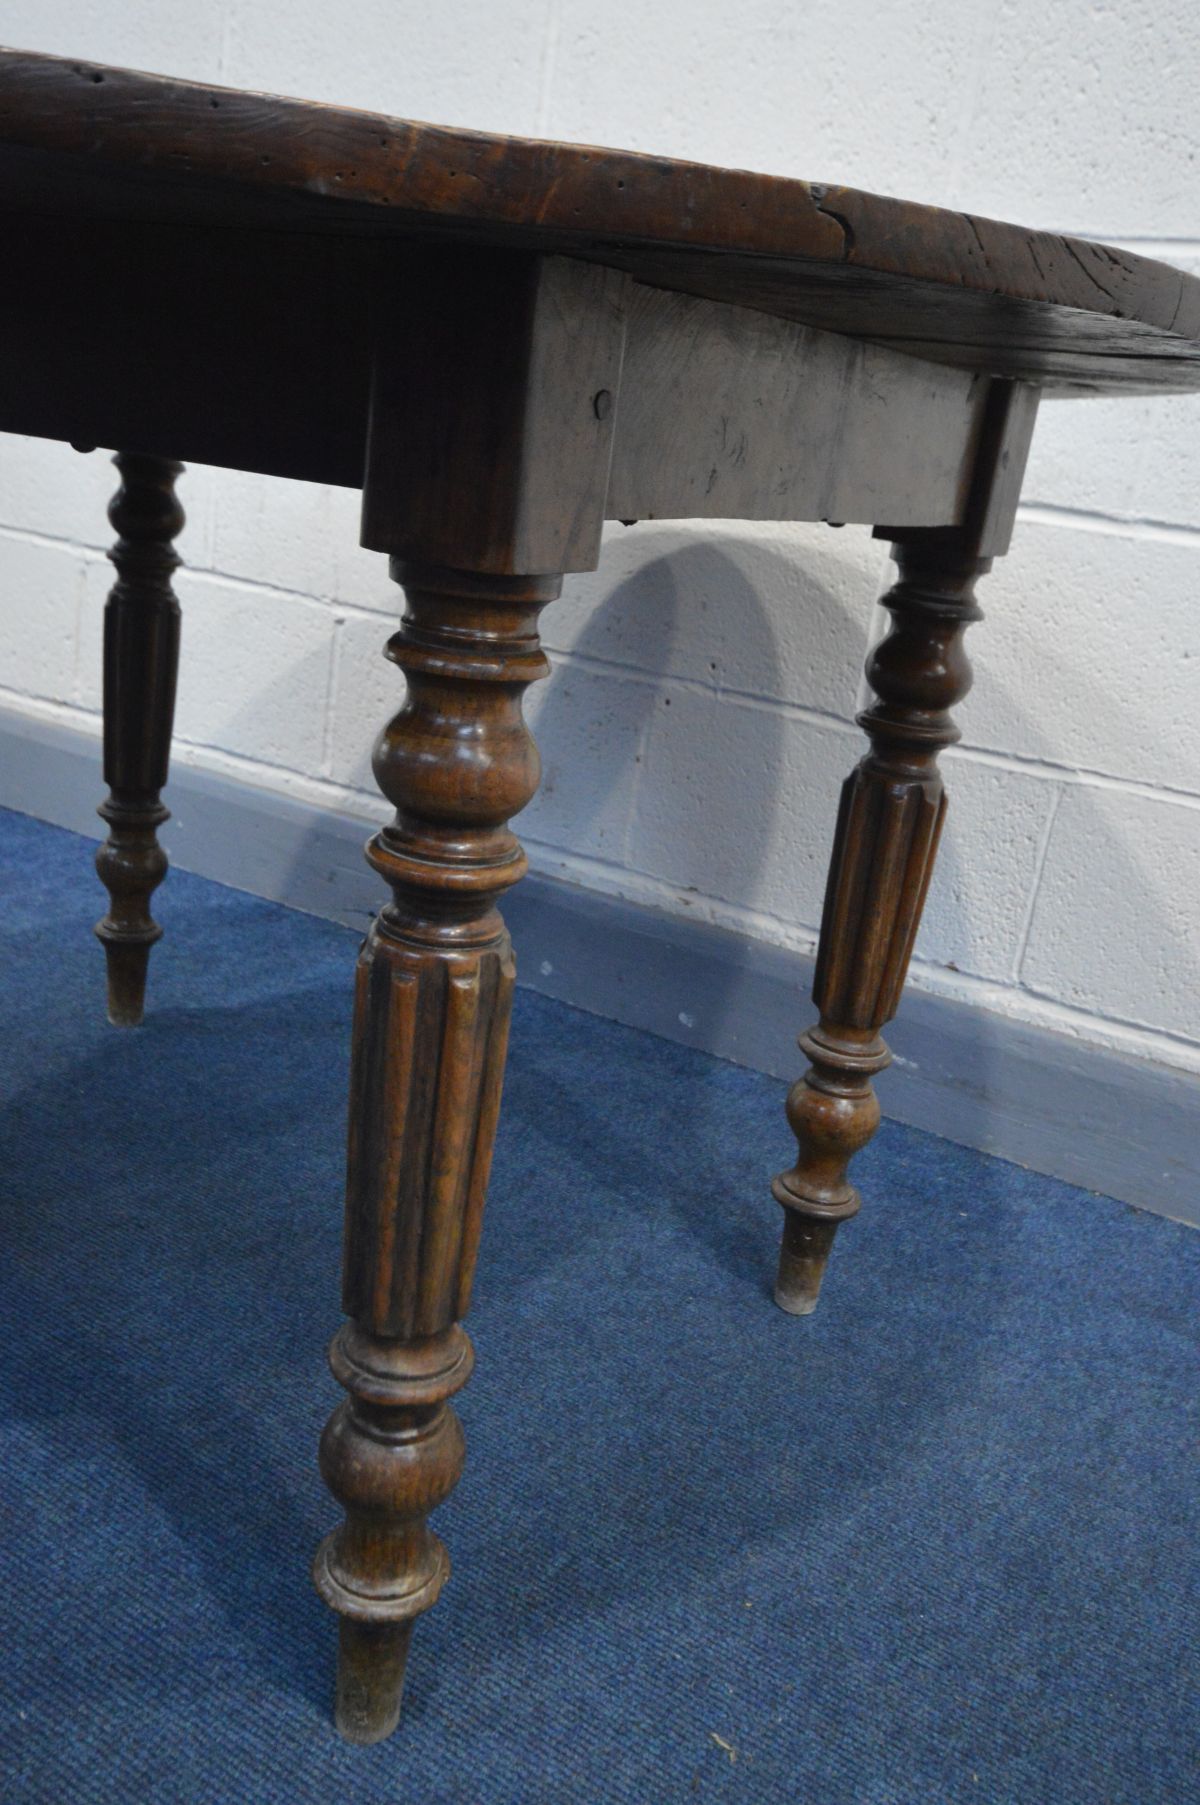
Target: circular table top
{"x": 1063, "y": 312}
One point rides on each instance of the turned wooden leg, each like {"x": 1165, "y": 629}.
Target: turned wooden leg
{"x": 141, "y": 658}
{"x": 887, "y": 833}
{"x": 434, "y": 990}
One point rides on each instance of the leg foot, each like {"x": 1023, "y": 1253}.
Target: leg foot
{"x": 802, "y": 1257}
{"x": 127, "y": 962}
{"x": 833, "y": 1112}
{"x": 370, "y": 1678}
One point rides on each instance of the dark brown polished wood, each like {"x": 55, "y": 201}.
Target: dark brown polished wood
{"x": 502, "y": 343}
{"x": 945, "y": 285}
{"x": 885, "y": 843}
{"x": 888, "y": 828}
{"x": 434, "y": 994}
{"x": 141, "y": 661}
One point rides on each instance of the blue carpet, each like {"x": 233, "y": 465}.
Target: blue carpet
{"x": 937, "y": 1544}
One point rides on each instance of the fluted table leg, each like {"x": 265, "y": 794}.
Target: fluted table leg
{"x": 435, "y": 980}
{"x": 141, "y": 658}
{"x": 888, "y": 828}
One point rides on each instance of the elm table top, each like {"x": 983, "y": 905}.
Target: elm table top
{"x": 501, "y": 342}
{"x": 1062, "y": 312}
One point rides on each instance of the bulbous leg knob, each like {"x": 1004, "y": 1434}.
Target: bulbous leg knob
{"x": 434, "y": 996}
{"x": 833, "y": 1112}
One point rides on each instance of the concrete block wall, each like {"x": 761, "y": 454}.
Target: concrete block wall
{"x": 699, "y": 721}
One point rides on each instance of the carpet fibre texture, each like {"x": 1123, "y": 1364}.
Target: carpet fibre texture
{"x": 937, "y": 1543}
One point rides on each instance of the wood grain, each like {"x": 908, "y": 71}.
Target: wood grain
{"x": 730, "y": 414}
{"x": 955, "y": 286}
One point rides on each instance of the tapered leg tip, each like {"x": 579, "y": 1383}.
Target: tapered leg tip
{"x": 127, "y": 963}
{"x": 796, "y": 1303}
{"x": 125, "y": 1011}
{"x": 802, "y": 1258}
{"x": 370, "y": 1679}
{"x": 361, "y": 1731}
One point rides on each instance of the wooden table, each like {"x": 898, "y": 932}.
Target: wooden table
{"x": 503, "y": 344}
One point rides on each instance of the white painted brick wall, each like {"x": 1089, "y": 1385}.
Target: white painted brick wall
{"x": 699, "y": 722}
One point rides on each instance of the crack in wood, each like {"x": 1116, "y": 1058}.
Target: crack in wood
{"x": 818, "y": 190}
{"x": 1073, "y": 254}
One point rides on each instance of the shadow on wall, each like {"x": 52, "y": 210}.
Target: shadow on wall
{"x": 642, "y": 767}
{"x": 673, "y": 751}
{"x": 648, "y": 771}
